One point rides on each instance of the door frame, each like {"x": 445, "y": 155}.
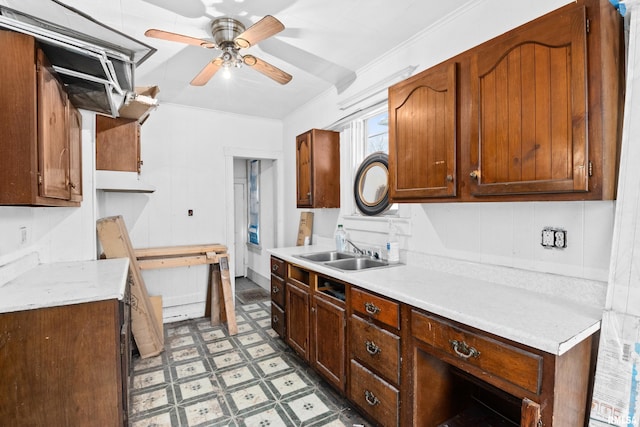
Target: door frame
{"x": 231, "y": 153}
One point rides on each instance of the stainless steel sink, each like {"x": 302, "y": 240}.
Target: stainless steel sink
{"x": 360, "y": 263}
{"x": 344, "y": 261}
{"x": 326, "y": 256}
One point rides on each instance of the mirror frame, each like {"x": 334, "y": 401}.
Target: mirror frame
{"x": 382, "y": 204}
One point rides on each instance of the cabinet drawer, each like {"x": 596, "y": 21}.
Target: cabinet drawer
{"x": 375, "y": 307}
{"x": 277, "y": 290}
{"x": 375, "y": 347}
{"x": 471, "y": 351}
{"x": 277, "y": 320}
{"x": 277, "y": 267}
{"x": 374, "y": 395}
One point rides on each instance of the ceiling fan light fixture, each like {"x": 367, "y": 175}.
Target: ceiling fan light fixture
{"x": 226, "y": 73}
{"x": 229, "y": 36}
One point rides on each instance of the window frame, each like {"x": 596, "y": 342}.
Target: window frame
{"x": 355, "y": 133}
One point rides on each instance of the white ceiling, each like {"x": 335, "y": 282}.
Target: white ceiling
{"x": 324, "y": 44}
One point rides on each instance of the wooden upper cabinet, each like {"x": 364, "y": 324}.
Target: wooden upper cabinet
{"x": 40, "y": 130}
{"x": 533, "y": 114}
{"x": 422, "y": 128}
{"x": 318, "y": 169}
{"x": 529, "y": 109}
{"x": 53, "y": 133}
{"x": 117, "y": 144}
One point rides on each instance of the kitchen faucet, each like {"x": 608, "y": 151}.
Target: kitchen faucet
{"x": 358, "y": 250}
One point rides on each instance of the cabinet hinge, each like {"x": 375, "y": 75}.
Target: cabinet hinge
{"x": 588, "y": 25}
{"x": 590, "y": 168}
{"x": 39, "y": 178}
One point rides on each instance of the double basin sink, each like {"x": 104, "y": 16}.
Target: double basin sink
{"x": 345, "y": 261}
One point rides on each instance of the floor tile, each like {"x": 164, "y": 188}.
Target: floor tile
{"x": 250, "y": 398}
{"x": 205, "y": 377}
{"x": 307, "y": 407}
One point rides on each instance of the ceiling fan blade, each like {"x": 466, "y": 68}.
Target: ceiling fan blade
{"x": 173, "y": 37}
{"x": 264, "y": 28}
{"x": 207, "y": 72}
{"x": 267, "y": 69}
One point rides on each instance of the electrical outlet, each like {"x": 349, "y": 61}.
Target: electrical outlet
{"x": 554, "y": 238}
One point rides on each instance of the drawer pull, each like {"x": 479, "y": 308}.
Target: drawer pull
{"x": 371, "y": 308}
{"x": 372, "y": 348}
{"x": 275, "y": 290}
{"x": 275, "y": 318}
{"x": 371, "y": 398}
{"x": 274, "y": 267}
{"x": 463, "y": 350}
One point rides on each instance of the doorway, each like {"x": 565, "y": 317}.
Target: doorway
{"x": 256, "y": 257}
{"x": 240, "y": 220}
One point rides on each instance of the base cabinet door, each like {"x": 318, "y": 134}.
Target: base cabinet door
{"x": 66, "y": 365}
{"x": 328, "y": 339}
{"x": 297, "y": 316}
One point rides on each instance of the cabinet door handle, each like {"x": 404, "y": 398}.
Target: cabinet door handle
{"x": 372, "y": 348}
{"x": 371, "y": 308}
{"x": 371, "y": 398}
{"x": 275, "y": 267}
{"x": 275, "y": 290}
{"x": 463, "y": 350}
{"x": 275, "y": 319}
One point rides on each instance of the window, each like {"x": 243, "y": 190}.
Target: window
{"x": 377, "y": 133}
{"x": 370, "y": 134}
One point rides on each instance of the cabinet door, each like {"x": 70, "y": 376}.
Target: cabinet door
{"x": 297, "y": 317}
{"x": 422, "y": 135}
{"x": 75, "y": 153}
{"x": 53, "y": 136}
{"x": 304, "y": 167}
{"x": 529, "y": 109}
{"x": 328, "y": 337}
{"x": 117, "y": 144}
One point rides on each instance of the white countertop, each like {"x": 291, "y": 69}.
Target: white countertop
{"x": 537, "y": 320}
{"x": 56, "y": 284}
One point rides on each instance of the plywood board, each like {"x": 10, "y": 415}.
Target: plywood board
{"x": 305, "y": 228}
{"x": 115, "y": 242}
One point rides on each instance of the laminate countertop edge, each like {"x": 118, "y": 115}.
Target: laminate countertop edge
{"x": 534, "y": 319}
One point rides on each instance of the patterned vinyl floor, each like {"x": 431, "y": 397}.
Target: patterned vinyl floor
{"x": 207, "y": 378}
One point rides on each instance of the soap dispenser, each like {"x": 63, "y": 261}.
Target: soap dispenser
{"x": 393, "y": 247}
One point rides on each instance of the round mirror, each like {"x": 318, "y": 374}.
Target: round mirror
{"x": 371, "y": 187}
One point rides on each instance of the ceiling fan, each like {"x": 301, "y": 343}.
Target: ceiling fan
{"x": 229, "y": 36}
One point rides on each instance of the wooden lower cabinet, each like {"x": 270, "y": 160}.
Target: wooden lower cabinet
{"x": 278, "y": 320}
{"x": 378, "y": 398}
{"x": 402, "y": 366}
{"x": 278, "y": 290}
{"x": 328, "y": 340}
{"x": 66, "y": 366}
{"x": 297, "y": 317}
{"x": 458, "y": 372}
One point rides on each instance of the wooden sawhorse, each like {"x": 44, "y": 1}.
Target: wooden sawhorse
{"x": 220, "y": 306}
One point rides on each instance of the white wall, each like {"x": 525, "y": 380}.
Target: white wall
{"x": 188, "y": 155}
{"x": 55, "y": 234}
{"x": 503, "y": 234}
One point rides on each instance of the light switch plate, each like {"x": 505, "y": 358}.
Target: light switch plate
{"x": 554, "y": 238}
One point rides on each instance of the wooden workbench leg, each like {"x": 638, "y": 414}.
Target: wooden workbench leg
{"x": 228, "y": 295}
{"x": 215, "y": 287}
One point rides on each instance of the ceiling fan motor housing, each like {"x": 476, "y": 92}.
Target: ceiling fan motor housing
{"x": 225, "y": 30}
